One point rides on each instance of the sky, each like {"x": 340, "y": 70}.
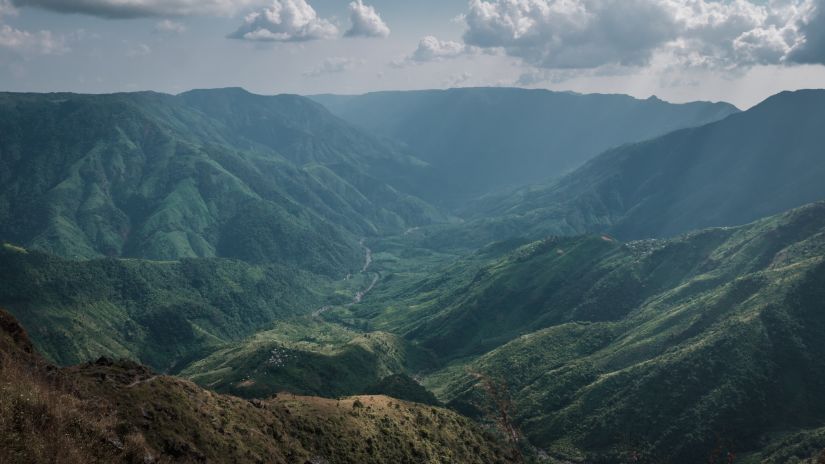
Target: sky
{"x": 740, "y": 51}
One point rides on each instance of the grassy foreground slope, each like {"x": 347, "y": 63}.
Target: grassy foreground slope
{"x": 111, "y": 411}
{"x": 163, "y": 314}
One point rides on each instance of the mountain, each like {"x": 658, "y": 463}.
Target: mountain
{"x": 214, "y": 173}
{"x": 645, "y": 307}
{"x": 313, "y": 357}
{"x": 480, "y": 140}
{"x": 750, "y": 165}
{"x": 655, "y": 350}
{"x": 161, "y": 313}
{"x": 118, "y": 411}
{"x": 663, "y": 349}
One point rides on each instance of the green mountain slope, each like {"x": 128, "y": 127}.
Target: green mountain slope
{"x": 111, "y": 411}
{"x": 479, "y": 140}
{"x": 306, "y": 356}
{"x": 665, "y": 348}
{"x": 751, "y": 165}
{"x": 161, "y": 313}
{"x": 200, "y": 234}
{"x": 210, "y": 173}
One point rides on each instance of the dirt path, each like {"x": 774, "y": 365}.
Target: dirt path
{"x": 367, "y": 257}
{"x": 359, "y": 296}
{"x": 321, "y": 310}
{"x": 139, "y": 382}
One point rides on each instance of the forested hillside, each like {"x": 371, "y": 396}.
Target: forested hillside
{"x": 750, "y": 165}
{"x": 210, "y": 173}
{"x": 161, "y": 313}
{"x": 664, "y": 348}
{"x": 658, "y": 301}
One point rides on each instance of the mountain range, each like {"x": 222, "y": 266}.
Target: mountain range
{"x": 750, "y": 165}
{"x": 219, "y": 173}
{"x": 481, "y": 140}
{"x": 715, "y": 332}
{"x": 470, "y": 275}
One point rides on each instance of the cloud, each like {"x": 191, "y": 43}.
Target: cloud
{"x": 811, "y": 50}
{"x": 170, "y": 27}
{"x": 432, "y": 49}
{"x": 587, "y": 34}
{"x": 285, "y": 21}
{"x": 570, "y": 33}
{"x": 25, "y": 43}
{"x": 366, "y": 22}
{"x": 334, "y": 66}
{"x": 734, "y": 34}
{"x": 140, "y": 8}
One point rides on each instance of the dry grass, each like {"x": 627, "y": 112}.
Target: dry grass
{"x": 118, "y": 411}
{"x": 43, "y": 420}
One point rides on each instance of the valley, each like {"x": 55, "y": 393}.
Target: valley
{"x": 359, "y": 295}
{"x": 422, "y": 232}
{"x": 249, "y": 278}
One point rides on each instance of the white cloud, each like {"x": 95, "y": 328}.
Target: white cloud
{"x": 31, "y": 43}
{"x": 334, "y": 65}
{"x": 735, "y": 34}
{"x": 140, "y": 8}
{"x": 432, "y": 49}
{"x": 366, "y": 22}
{"x": 811, "y": 49}
{"x": 586, "y": 34}
{"x": 170, "y": 27}
{"x": 285, "y": 21}
{"x": 570, "y": 33}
